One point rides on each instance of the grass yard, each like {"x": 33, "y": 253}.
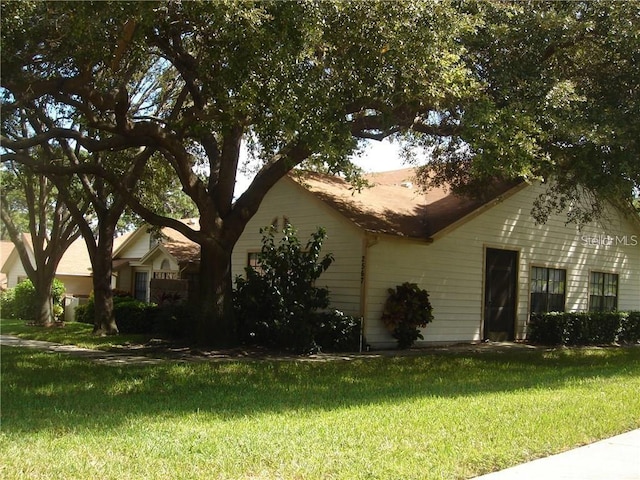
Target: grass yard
{"x": 436, "y": 416}
{"x": 72, "y": 333}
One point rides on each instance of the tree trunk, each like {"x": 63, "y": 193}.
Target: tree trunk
{"x": 44, "y": 305}
{"x": 104, "y": 320}
{"x": 214, "y": 322}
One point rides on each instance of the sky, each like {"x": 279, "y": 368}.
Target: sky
{"x": 377, "y": 157}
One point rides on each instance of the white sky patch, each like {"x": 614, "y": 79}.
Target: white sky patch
{"x": 380, "y": 157}
{"x": 377, "y": 157}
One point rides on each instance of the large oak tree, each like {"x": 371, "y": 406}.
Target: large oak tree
{"x": 303, "y": 82}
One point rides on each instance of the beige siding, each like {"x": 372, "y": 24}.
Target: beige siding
{"x": 138, "y": 247}
{"x": 306, "y": 214}
{"x": 16, "y": 270}
{"x": 452, "y": 268}
{"x": 160, "y": 257}
{"x": 76, "y": 285}
{"x": 124, "y": 280}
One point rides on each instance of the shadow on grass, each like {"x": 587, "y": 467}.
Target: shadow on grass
{"x": 71, "y": 333}
{"x": 44, "y": 390}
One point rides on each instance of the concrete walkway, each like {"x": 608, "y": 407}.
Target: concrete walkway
{"x": 97, "y": 356}
{"x": 616, "y": 458}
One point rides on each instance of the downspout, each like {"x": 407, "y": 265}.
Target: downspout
{"x": 368, "y": 241}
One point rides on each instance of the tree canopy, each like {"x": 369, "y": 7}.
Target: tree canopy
{"x": 535, "y": 90}
{"x": 560, "y": 102}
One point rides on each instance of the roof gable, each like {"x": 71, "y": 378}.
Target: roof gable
{"x": 393, "y": 204}
{"x": 123, "y": 242}
{"x": 6, "y": 249}
{"x": 182, "y": 252}
{"x": 173, "y": 242}
{"x": 13, "y": 256}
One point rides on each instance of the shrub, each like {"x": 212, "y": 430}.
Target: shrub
{"x": 406, "y": 310}
{"x": 603, "y": 327}
{"x": 57, "y": 293}
{"x": 133, "y": 316}
{"x": 337, "y": 332}
{"x": 7, "y": 303}
{"x": 173, "y": 319}
{"x": 547, "y": 328}
{"x": 630, "y": 328}
{"x": 20, "y": 301}
{"x": 276, "y": 306}
{"x": 586, "y": 328}
{"x": 24, "y": 300}
{"x": 84, "y": 313}
{"x": 576, "y": 331}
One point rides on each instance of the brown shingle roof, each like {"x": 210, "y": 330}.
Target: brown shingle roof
{"x": 183, "y": 252}
{"x": 394, "y": 205}
{"x": 183, "y": 249}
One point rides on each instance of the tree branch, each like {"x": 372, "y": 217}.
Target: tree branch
{"x": 282, "y": 163}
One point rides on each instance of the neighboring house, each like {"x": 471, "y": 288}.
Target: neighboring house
{"x": 74, "y": 269}
{"x": 486, "y": 266}
{"x": 6, "y": 248}
{"x": 139, "y": 258}
{"x": 148, "y": 263}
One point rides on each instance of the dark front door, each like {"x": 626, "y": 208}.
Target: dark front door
{"x": 500, "y": 294}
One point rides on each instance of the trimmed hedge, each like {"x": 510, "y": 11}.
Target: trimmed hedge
{"x": 630, "y": 328}
{"x": 585, "y": 328}
{"x": 131, "y": 315}
{"x": 134, "y": 316}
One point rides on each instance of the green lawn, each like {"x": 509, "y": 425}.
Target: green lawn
{"x": 440, "y": 415}
{"x": 72, "y": 333}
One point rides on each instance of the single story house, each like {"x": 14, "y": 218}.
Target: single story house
{"x": 74, "y": 269}
{"x": 486, "y": 265}
{"x": 139, "y": 257}
{"x": 146, "y": 263}
{"x": 149, "y": 263}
